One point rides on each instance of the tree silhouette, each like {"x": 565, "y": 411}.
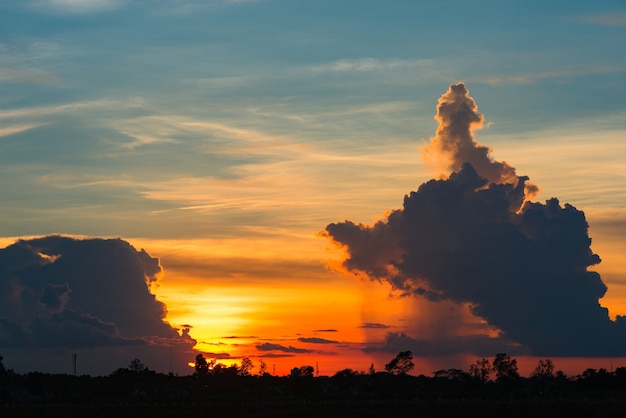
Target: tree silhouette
{"x": 307, "y": 371}
{"x": 246, "y": 366}
{"x": 136, "y": 366}
{"x": 229, "y": 393}
{"x": 371, "y": 370}
{"x": 481, "y": 370}
{"x": 452, "y": 374}
{"x": 262, "y": 367}
{"x": 219, "y": 369}
{"x": 345, "y": 373}
{"x": 505, "y": 368}
{"x": 544, "y": 370}
{"x": 401, "y": 364}
{"x": 202, "y": 367}
{"x": 3, "y": 379}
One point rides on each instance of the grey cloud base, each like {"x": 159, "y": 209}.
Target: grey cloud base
{"x": 60, "y": 295}
{"x": 476, "y": 238}
{"x": 523, "y": 268}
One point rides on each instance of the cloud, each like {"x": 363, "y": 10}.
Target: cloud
{"x": 85, "y": 294}
{"x": 317, "y": 340}
{"x": 218, "y": 356}
{"x": 454, "y": 143}
{"x": 27, "y": 76}
{"x": 28, "y": 61}
{"x": 472, "y": 237}
{"x": 70, "y": 329}
{"x": 15, "y": 129}
{"x": 607, "y": 19}
{"x": 55, "y": 296}
{"x": 373, "y": 64}
{"x": 325, "y": 330}
{"x": 481, "y": 345}
{"x": 76, "y": 6}
{"x": 240, "y": 337}
{"x": 282, "y": 348}
{"x": 70, "y": 108}
{"x": 374, "y": 325}
{"x": 534, "y": 77}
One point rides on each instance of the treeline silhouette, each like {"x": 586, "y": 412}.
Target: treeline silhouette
{"x": 489, "y": 388}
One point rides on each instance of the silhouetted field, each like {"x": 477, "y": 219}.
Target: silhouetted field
{"x": 127, "y": 393}
{"x": 326, "y": 408}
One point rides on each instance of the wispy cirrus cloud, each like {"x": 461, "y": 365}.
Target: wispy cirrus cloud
{"x": 27, "y": 76}
{"x": 373, "y": 64}
{"x": 70, "y": 108}
{"x": 14, "y": 129}
{"x": 28, "y": 61}
{"x": 75, "y": 6}
{"x": 534, "y": 77}
{"x": 607, "y": 19}
{"x": 166, "y": 128}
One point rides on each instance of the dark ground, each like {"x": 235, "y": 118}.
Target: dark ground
{"x": 323, "y": 408}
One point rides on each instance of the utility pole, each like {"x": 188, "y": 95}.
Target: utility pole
{"x": 74, "y": 363}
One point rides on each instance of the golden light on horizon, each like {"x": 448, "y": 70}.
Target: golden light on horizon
{"x": 233, "y": 314}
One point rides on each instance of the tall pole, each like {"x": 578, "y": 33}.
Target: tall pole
{"x": 74, "y": 363}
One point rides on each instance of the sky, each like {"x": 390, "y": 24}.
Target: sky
{"x": 320, "y": 183}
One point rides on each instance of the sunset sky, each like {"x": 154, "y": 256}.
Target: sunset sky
{"x": 216, "y": 168}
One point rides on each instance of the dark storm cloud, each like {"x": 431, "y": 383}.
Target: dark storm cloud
{"x": 64, "y": 293}
{"x": 472, "y": 239}
{"x": 55, "y": 296}
{"x": 73, "y": 329}
{"x": 317, "y": 340}
{"x": 282, "y": 348}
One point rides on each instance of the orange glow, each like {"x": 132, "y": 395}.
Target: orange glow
{"x": 236, "y": 304}
{"x": 239, "y": 294}
{"x": 608, "y": 242}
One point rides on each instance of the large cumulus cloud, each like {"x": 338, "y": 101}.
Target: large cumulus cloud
{"x": 61, "y": 294}
{"x": 473, "y": 237}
